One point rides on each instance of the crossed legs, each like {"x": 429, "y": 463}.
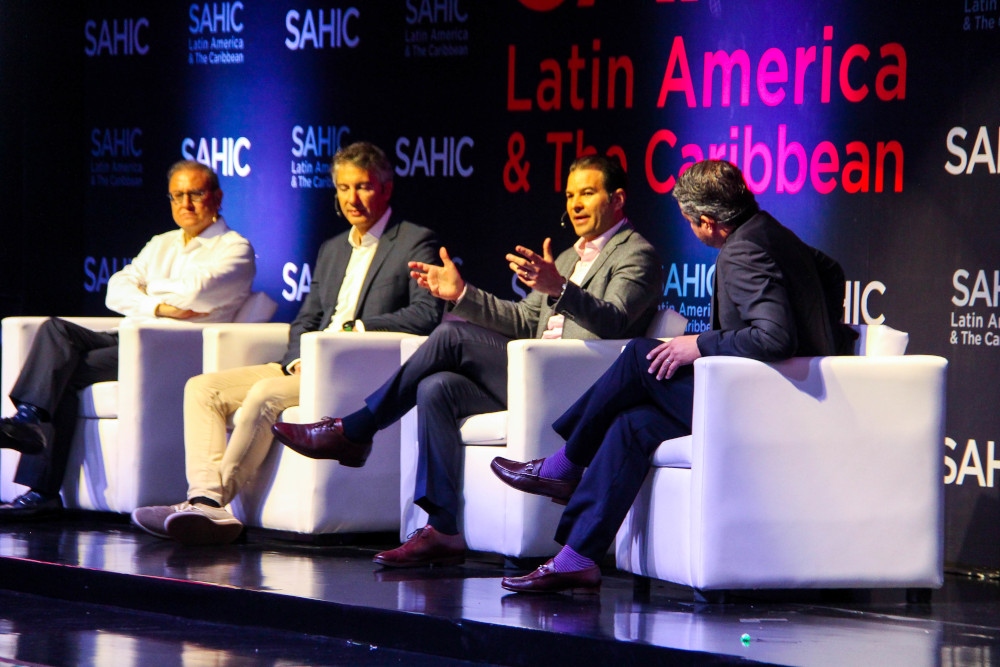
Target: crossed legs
{"x": 217, "y": 469}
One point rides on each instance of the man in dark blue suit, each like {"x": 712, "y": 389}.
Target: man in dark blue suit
{"x": 774, "y": 298}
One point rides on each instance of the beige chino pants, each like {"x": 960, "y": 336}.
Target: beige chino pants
{"x": 214, "y": 469}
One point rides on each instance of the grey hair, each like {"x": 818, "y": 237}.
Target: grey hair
{"x": 364, "y": 155}
{"x": 716, "y": 189}
{"x": 191, "y": 165}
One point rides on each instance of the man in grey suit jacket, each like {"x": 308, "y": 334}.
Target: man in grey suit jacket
{"x": 607, "y": 286}
{"x": 361, "y": 283}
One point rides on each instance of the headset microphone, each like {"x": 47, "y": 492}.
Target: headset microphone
{"x": 564, "y": 220}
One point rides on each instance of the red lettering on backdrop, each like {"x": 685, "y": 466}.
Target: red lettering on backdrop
{"x": 726, "y": 62}
{"x": 853, "y": 94}
{"x": 881, "y": 151}
{"x": 767, "y": 166}
{"x": 717, "y": 152}
{"x": 765, "y": 76}
{"x": 820, "y": 166}
{"x": 803, "y": 58}
{"x": 772, "y": 70}
{"x": 515, "y": 175}
{"x": 751, "y": 151}
{"x": 513, "y": 103}
{"x": 787, "y": 165}
{"x": 561, "y": 139}
{"x": 659, "y": 137}
{"x": 898, "y": 70}
{"x": 549, "y": 5}
{"x": 575, "y": 64}
{"x": 581, "y": 149}
{"x": 678, "y": 59}
{"x": 549, "y": 90}
{"x": 827, "y": 50}
{"x": 784, "y": 150}
{"x": 618, "y": 152}
{"x": 860, "y": 184}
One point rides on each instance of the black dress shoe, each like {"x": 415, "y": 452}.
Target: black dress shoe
{"x": 31, "y": 505}
{"x": 547, "y": 580}
{"x": 24, "y": 437}
{"x": 524, "y": 477}
{"x": 323, "y": 440}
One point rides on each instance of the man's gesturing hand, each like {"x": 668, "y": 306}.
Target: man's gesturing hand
{"x": 537, "y": 271}
{"x": 444, "y": 282}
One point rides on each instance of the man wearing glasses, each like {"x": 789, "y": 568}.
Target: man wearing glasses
{"x": 201, "y": 272}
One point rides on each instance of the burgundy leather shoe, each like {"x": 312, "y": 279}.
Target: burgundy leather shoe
{"x": 547, "y": 580}
{"x": 524, "y": 477}
{"x": 424, "y": 547}
{"x": 323, "y": 440}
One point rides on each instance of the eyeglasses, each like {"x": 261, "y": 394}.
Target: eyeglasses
{"x": 196, "y": 196}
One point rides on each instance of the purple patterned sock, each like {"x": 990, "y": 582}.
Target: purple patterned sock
{"x": 568, "y": 560}
{"x": 558, "y": 466}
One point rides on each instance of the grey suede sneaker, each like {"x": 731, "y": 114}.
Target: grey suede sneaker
{"x": 201, "y": 524}
{"x": 153, "y": 518}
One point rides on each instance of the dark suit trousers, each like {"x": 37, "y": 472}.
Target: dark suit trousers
{"x": 613, "y": 429}
{"x": 63, "y": 359}
{"x": 461, "y": 370}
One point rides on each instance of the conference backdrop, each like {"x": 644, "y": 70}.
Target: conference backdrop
{"x": 868, "y": 128}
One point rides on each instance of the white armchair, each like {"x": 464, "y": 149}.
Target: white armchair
{"x": 122, "y": 456}
{"x": 822, "y": 472}
{"x": 128, "y": 446}
{"x": 544, "y": 377}
{"x": 291, "y": 492}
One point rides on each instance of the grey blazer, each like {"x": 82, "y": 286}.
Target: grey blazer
{"x": 616, "y": 299}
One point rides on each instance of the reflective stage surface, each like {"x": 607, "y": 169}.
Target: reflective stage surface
{"x": 89, "y": 589}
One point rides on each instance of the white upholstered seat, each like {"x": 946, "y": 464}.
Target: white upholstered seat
{"x": 821, "y": 472}
{"x": 128, "y": 446}
{"x": 291, "y": 492}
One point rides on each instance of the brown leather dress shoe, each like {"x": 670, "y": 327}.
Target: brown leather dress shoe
{"x": 425, "y": 547}
{"x": 547, "y": 580}
{"x": 323, "y": 440}
{"x": 524, "y": 477}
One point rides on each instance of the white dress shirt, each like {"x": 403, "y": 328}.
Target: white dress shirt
{"x": 362, "y": 252}
{"x": 210, "y": 274}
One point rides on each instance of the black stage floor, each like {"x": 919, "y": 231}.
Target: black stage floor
{"x": 88, "y": 589}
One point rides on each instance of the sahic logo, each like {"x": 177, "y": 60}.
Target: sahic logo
{"x": 549, "y": 5}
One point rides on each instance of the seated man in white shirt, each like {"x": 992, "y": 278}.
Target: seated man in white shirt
{"x": 361, "y": 283}
{"x": 201, "y": 272}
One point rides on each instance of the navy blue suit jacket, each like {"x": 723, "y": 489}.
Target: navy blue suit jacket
{"x": 390, "y": 300}
{"x": 765, "y": 303}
